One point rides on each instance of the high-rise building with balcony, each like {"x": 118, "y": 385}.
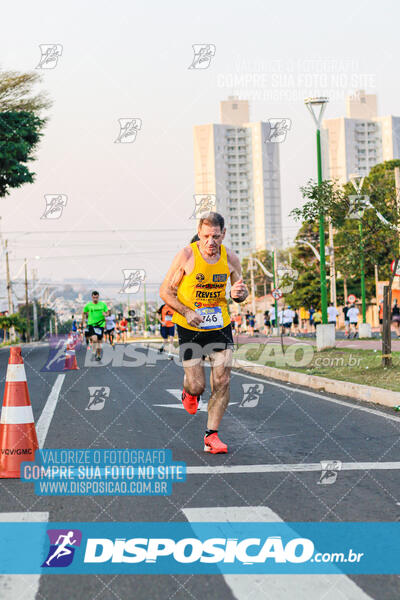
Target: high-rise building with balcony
{"x": 355, "y": 143}
{"x": 236, "y": 162}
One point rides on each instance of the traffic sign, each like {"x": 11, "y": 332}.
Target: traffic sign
{"x": 351, "y": 298}
{"x": 398, "y": 268}
{"x": 276, "y": 293}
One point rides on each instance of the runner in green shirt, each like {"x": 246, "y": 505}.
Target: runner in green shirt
{"x": 95, "y": 311}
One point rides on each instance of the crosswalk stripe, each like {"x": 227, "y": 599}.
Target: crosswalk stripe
{"x": 278, "y": 587}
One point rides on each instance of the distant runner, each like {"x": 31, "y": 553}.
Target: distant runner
{"x": 167, "y": 328}
{"x": 110, "y": 328}
{"x": 95, "y": 311}
{"x": 195, "y": 287}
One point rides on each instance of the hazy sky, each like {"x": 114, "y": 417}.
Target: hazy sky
{"x": 130, "y": 60}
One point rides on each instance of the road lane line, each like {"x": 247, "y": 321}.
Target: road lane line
{"x": 43, "y": 424}
{"x": 288, "y": 468}
{"x": 291, "y": 388}
{"x": 278, "y": 587}
{"x": 21, "y": 587}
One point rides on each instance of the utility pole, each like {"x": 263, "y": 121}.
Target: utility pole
{"x": 9, "y": 291}
{"x": 28, "y": 325}
{"x": 35, "y": 318}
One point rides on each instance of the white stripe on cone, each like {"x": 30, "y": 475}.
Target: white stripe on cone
{"x": 15, "y": 373}
{"x": 16, "y": 415}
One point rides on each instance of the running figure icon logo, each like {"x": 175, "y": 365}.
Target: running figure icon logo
{"x": 203, "y": 54}
{"x": 55, "y": 203}
{"x": 50, "y": 53}
{"x": 98, "y": 396}
{"x": 329, "y": 471}
{"x": 132, "y": 280}
{"x": 57, "y": 351}
{"x": 63, "y": 543}
{"x": 203, "y": 204}
{"x": 251, "y": 394}
{"x": 277, "y": 130}
{"x": 128, "y": 129}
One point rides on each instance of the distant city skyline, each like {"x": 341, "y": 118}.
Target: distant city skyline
{"x": 109, "y": 69}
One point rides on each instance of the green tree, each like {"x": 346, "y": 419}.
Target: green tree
{"x": 19, "y": 136}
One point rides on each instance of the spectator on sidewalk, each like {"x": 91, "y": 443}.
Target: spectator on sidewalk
{"x": 352, "y": 315}
{"x": 381, "y": 316}
{"x": 287, "y": 319}
{"x": 311, "y": 312}
{"x": 317, "y": 318}
{"x": 346, "y": 309}
{"x": 396, "y": 316}
{"x": 267, "y": 323}
{"x": 332, "y": 314}
{"x": 296, "y": 329}
{"x": 304, "y": 318}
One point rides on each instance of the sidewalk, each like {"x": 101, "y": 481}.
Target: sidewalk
{"x": 372, "y": 344}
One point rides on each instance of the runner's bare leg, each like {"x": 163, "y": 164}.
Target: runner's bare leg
{"x": 221, "y": 364}
{"x": 194, "y": 380}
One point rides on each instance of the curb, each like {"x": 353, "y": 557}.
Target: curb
{"x": 357, "y": 391}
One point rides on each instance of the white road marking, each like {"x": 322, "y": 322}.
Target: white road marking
{"x": 278, "y": 587}
{"x": 315, "y": 395}
{"x": 43, "y": 424}
{"x": 289, "y": 468}
{"x": 21, "y": 587}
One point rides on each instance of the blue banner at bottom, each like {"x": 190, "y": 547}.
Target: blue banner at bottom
{"x": 199, "y": 548}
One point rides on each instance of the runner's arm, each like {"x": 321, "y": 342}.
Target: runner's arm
{"x": 169, "y": 288}
{"x": 239, "y": 291}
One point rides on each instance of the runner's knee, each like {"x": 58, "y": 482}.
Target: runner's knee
{"x": 221, "y": 380}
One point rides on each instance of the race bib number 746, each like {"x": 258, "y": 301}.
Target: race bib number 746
{"x": 212, "y": 317}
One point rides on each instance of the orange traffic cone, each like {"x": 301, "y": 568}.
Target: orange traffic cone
{"x": 70, "y": 360}
{"x": 18, "y": 440}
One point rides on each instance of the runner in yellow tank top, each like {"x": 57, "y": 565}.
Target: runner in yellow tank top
{"x": 195, "y": 287}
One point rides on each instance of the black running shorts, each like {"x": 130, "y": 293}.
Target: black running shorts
{"x": 199, "y": 344}
{"x": 96, "y": 330}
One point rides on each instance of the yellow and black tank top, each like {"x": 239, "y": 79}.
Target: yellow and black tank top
{"x": 204, "y": 291}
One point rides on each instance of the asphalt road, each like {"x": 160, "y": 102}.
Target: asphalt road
{"x": 280, "y": 425}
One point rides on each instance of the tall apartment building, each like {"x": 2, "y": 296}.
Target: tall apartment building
{"x": 355, "y": 143}
{"x": 234, "y": 162}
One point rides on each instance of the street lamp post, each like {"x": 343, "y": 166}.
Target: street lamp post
{"x": 313, "y": 104}
{"x": 357, "y": 182}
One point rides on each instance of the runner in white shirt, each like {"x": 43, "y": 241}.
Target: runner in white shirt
{"x": 332, "y": 314}
{"x": 110, "y": 327}
{"x": 352, "y": 315}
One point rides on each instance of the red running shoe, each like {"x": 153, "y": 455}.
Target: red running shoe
{"x": 190, "y": 402}
{"x": 213, "y": 444}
